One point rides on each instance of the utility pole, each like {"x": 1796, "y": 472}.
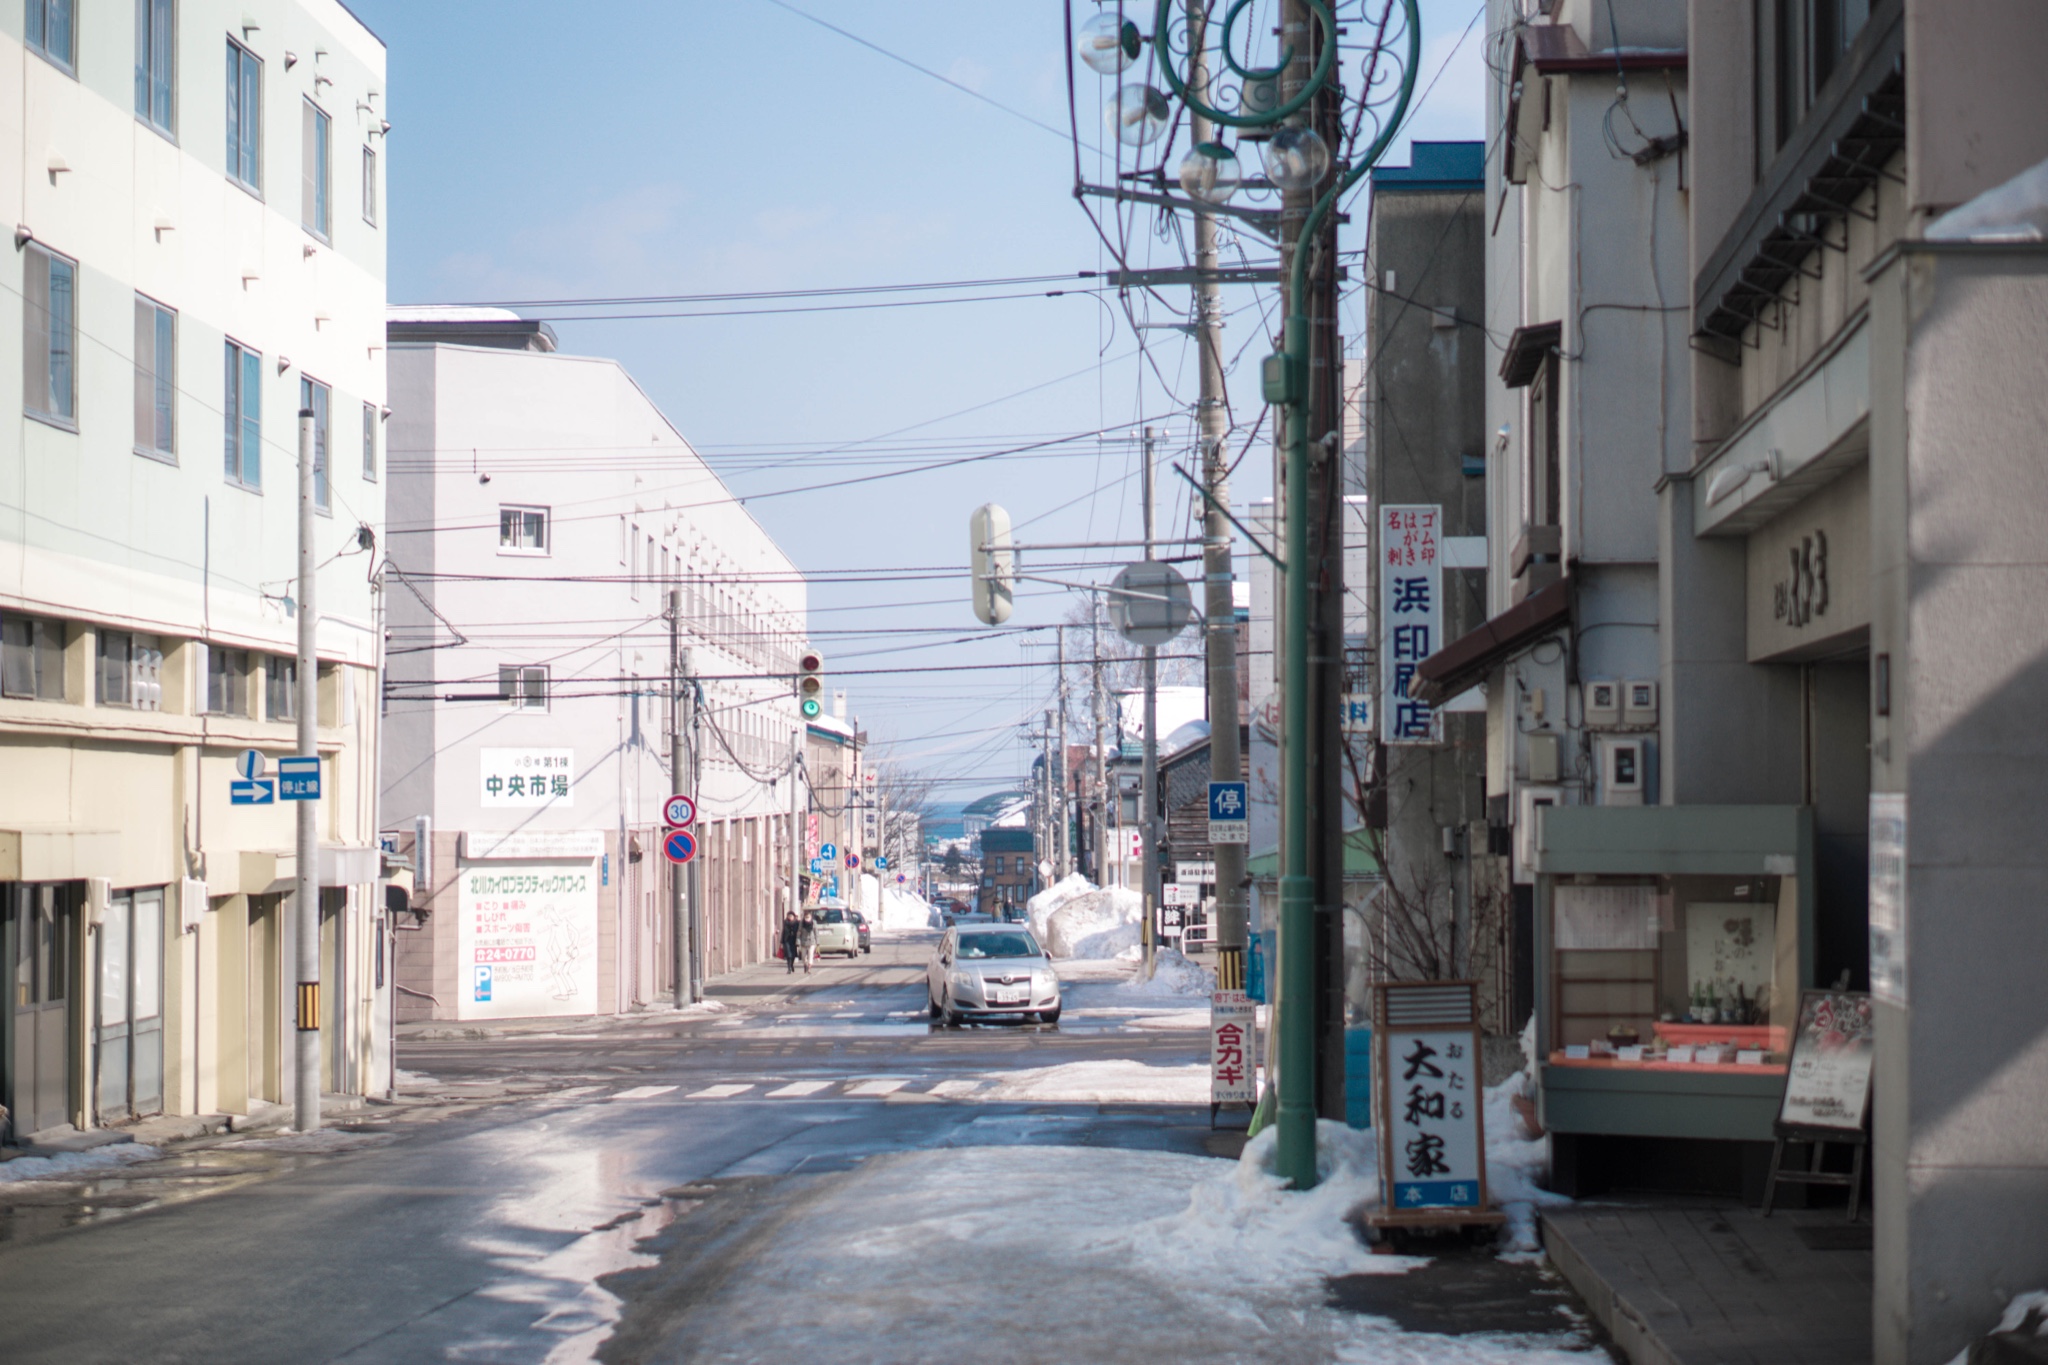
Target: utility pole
{"x": 796, "y": 822}
{"x": 306, "y": 887}
{"x": 1148, "y": 792}
{"x": 1099, "y": 775}
{"x": 1063, "y": 861}
{"x": 1226, "y": 760}
{"x": 693, "y": 871}
{"x": 678, "y": 915}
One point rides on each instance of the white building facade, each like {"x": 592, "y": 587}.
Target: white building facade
{"x": 544, "y": 513}
{"x": 195, "y": 193}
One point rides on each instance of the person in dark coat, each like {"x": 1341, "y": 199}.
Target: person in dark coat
{"x": 792, "y": 934}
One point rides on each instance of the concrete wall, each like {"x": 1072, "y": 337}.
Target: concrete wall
{"x": 1960, "y": 591}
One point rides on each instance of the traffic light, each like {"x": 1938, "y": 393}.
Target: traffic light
{"x": 994, "y": 564}
{"x": 810, "y": 684}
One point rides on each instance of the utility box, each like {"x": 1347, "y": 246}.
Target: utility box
{"x": 1622, "y": 770}
{"x": 1639, "y": 703}
{"x": 1602, "y": 704}
{"x": 1545, "y": 756}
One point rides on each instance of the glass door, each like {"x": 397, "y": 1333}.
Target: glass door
{"x": 128, "y": 1031}
{"x": 44, "y": 922}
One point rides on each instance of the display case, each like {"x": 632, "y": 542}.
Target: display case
{"x": 1672, "y": 944}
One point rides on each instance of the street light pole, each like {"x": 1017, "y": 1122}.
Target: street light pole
{"x": 306, "y": 883}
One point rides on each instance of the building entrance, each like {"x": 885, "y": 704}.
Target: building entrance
{"x": 42, "y": 937}
{"x": 128, "y": 1028}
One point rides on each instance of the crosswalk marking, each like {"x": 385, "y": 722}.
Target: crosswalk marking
{"x": 886, "y": 1086}
{"x": 643, "y": 1092}
{"x": 720, "y": 1092}
{"x": 795, "y": 1088}
{"x": 955, "y": 1089}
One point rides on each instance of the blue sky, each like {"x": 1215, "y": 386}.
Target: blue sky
{"x": 627, "y": 147}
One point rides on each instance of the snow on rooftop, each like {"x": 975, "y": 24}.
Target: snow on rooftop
{"x": 2016, "y": 211}
{"x": 448, "y": 312}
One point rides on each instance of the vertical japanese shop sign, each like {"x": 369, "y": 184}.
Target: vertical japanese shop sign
{"x": 1232, "y": 1023}
{"x": 1411, "y": 624}
{"x": 1888, "y": 897}
{"x": 1432, "y": 1131}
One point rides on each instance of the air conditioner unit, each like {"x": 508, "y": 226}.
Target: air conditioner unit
{"x": 1623, "y": 770}
{"x": 1602, "y": 702}
{"x": 1529, "y": 800}
{"x": 1639, "y": 703}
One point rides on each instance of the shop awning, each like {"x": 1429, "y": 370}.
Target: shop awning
{"x": 1467, "y": 660}
{"x": 1526, "y": 350}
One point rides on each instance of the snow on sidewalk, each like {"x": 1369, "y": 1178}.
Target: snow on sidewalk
{"x": 59, "y": 1165}
{"x": 1102, "y": 1255}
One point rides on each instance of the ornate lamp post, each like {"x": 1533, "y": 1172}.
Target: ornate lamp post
{"x": 1296, "y": 158}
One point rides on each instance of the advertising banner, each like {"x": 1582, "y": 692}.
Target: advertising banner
{"x": 526, "y": 940}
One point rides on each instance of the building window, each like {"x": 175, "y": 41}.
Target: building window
{"x": 245, "y": 117}
{"x": 313, "y": 395}
{"x": 50, "y": 337}
{"x": 156, "y": 48}
{"x": 156, "y": 379}
{"x": 130, "y": 671}
{"x": 313, "y": 205}
{"x": 524, "y": 687}
{"x": 31, "y": 658}
{"x": 227, "y": 681}
{"x": 242, "y": 416}
{"x": 370, "y": 186}
{"x": 281, "y": 687}
{"x": 626, "y": 553}
{"x": 369, "y": 442}
{"x": 53, "y": 31}
{"x": 522, "y": 530}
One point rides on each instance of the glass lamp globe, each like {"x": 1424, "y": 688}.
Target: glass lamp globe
{"x": 1210, "y": 172}
{"x": 1105, "y": 45}
{"x": 1139, "y": 114}
{"x": 1296, "y": 158}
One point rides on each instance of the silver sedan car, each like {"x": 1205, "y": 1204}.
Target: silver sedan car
{"x": 981, "y": 970}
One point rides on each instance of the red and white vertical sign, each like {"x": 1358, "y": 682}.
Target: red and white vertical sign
{"x": 1411, "y": 624}
{"x": 1233, "y": 1025}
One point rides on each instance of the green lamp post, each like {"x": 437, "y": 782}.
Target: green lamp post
{"x": 1300, "y": 161}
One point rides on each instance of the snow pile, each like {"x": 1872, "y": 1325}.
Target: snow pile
{"x": 2027, "y": 1315}
{"x": 1516, "y": 1161}
{"x": 59, "y": 1164}
{"x": 1103, "y": 1082}
{"x": 2016, "y": 211}
{"x": 1245, "y": 1227}
{"x": 1040, "y": 907}
{"x": 898, "y": 908}
{"x": 1173, "y": 975}
{"x": 1096, "y": 924}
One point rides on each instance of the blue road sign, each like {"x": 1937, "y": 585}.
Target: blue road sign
{"x": 1229, "y": 801}
{"x": 817, "y": 867}
{"x": 298, "y": 779}
{"x": 853, "y": 860}
{"x": 829, "y": 852}
{"x": 259, "y": 791}
{"x": 679, "y": 846}
{"x": 881, "y": 860}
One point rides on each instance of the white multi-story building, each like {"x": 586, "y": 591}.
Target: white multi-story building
{"x": 197, "y": 254}
{"x": 544, "y": 510}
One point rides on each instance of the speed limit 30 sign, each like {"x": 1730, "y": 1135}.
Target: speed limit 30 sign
{"x": 679, "y": 810}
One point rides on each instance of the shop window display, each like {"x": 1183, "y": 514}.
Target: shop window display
{"x": 1676, "y": 972}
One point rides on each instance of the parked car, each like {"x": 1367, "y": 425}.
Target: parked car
{"x": 982, "y": 970}
{"x": 836, "y": 933}
{"x": 860, "y": 927}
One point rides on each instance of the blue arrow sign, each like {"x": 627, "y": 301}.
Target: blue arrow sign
{"x": 881, "y": 860}
{"x": 679, "y": 846}
{"x": 259, "y": 791}
{"x": 829, "y": 852}
{"x": 298, "y": 779}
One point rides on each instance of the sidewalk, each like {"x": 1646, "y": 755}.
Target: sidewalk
{"x": 1708, "y": 1283}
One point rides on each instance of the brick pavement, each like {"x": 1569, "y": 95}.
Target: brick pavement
{"x": 1706, "y": 1283}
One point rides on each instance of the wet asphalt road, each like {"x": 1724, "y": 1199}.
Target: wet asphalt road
{"x": 479, "y": 1231}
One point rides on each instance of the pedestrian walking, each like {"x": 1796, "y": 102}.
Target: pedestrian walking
{"x": 807, "y": 941}
{"x": 792, "y": 935}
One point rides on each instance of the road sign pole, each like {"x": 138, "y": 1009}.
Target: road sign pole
{"x": 679, "y": 924}
{"x": 306, "y": 890}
